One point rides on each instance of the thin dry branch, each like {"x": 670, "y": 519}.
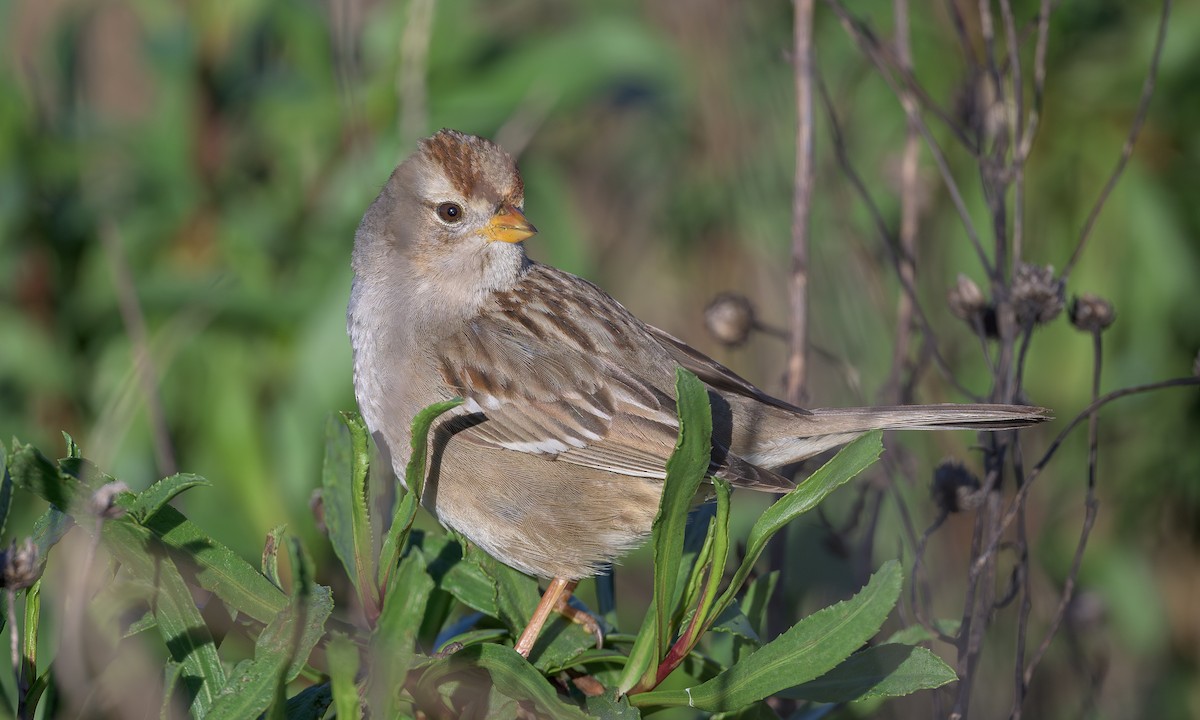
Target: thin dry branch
{"x": 1134, "y": 130}
{"x": 889, "y": 243}
{"x": 866, "y": 40}
{"x": 801, "y": 199}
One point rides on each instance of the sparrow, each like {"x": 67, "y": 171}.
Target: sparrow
{"x": 554, "y": 463}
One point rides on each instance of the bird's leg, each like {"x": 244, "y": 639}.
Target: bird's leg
{"x": 558, "y": 589}
{"x": 557, "y": 598}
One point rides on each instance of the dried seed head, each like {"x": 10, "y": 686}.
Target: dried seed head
{"x": 730, "y": 318}
{"x": 966, "y": 299}
{"x": 103, "y": 502}
{"x": 1091, "y": 313}
{"x": 955, "y": 488}
{"x": 21, "y": 568}
{"x": 1037, "y": 295}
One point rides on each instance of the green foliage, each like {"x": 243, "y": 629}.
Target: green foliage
{"x": 427, "y": 585}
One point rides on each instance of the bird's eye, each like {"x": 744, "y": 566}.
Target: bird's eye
{"x": 450, "y": 212}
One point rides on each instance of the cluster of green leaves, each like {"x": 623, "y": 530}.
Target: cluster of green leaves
{"x": 437, "y": 619}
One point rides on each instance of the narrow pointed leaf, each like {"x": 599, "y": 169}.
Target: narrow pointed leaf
{"x": 153, "y": 498}
{"x": 888, "y": 670}
{"x": 344, "y": 660}
{"x": 280, "y": 650}
{"x": 344, "y": 493}
{"x": 510, "y": 674}
{"x": 807, "y": 650}
{"x": 393, "y": 644}
{"x": 686, "y": 469}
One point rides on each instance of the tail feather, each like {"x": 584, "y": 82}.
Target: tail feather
{"x": 786, "y": 439}
{"x": 930, "y": 417}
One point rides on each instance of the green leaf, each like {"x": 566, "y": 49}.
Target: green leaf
{"x": 178, "y": 621}
{"x": 471, "y": 586}
{"x": 344, "y": 494}
{"x": 809, "y": 649}
{"x": 217, "y": 568}
{"x": 610, "y": 707}
{"x": 509, "y": 673}
{"x": 756, "y": 598}
{"x": 888, "y": 670}
{"x": 343, "y": 658}
{"x": 393, "y": 644}
{"x": 280, "y": 651}
{"x": 686, "y": 469}
{"x": 153, "y": 498}
{"x": 849, "y": 462}
{"x": 414, "y": 481}
{"x": 73, "y": 449}
{"x": 49, "y": 529}
{"x": 32, "y": 472}
{"x": 29, "y": 635}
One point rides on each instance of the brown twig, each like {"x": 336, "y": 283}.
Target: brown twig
{"x": 909, "y": 208}
{"x": 1135, "y": 129}
{"x": 866, "y": 40}
{"x": 889, "y": 243}
{"x": 1091, "y": 506}
{"x": 802, "y": 57}
{"x": 1010, "y": 514}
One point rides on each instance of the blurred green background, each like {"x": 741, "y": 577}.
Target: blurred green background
{"x": 183, "y": 180}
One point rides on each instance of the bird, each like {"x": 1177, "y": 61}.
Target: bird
{"x": 554, "y": 463}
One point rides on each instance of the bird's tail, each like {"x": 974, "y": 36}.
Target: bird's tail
{"x": 930, "y": 417}
{"x": 792, "y": 438}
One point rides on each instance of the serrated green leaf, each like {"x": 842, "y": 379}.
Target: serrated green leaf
{"x": 509, "y": 673}
{"x": 217, "y": 568}
{"x": 611, "y": 707}
{"x": 343, "y": 658}
{"x": 888, "y": 670}
{"x": 393, "y": 644}
{"x": 281, "y": 649}
{"x": 344, "y": 495}
{"x": 809, "y": 649}
{"x": 153, "y": 498}
{"x": 686, "y": 469}
{"x": 178, "y": 620}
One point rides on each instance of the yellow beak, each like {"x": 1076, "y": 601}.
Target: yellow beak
{"x": 509, "y": 225}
